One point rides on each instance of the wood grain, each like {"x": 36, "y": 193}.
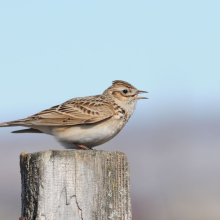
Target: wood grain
{"x": 79, "y": 185}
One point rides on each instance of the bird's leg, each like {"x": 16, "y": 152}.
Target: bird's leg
{"x": 83, "y": 147}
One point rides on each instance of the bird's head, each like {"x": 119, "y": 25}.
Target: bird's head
{"x": 122, "y": 91}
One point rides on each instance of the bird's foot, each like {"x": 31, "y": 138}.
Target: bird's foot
{"x": 83, "y": 147}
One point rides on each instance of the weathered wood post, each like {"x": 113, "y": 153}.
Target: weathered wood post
{"x": 76, "y": 185}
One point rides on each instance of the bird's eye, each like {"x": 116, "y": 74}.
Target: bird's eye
{"x": 125, "y": 91}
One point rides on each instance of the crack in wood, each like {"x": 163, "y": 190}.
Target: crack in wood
{"x": 77, "y": 204}
{"x": 79, "y": 209}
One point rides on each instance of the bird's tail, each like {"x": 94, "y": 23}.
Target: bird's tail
{"x": 19, "y": 123}
{"x": 29, "y": 130}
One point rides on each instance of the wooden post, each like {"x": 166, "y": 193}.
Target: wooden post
{"x": 76, "y": 185}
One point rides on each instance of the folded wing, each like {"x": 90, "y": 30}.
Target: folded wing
{"x": 75, "y": 111}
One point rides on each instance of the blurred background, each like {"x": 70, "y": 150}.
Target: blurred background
{"x": 52, "y": 51}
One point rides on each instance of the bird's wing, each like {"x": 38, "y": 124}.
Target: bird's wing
{"x": 86, "y": 110}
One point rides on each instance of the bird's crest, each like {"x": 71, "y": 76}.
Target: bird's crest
{"x": 120, "y": 82}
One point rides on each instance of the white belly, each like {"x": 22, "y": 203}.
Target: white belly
{"x": 89, "y": 135}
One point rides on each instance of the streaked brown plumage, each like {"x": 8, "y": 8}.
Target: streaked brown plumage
{"x": 82, "y": 117}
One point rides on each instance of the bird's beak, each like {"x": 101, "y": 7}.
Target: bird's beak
{"x": 139, "y": 92}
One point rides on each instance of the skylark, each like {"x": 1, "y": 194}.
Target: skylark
{"x": 83, "y": 123}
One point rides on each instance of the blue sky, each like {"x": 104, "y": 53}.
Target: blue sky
{"x": 52, "y": 51}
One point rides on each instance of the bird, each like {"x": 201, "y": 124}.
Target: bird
{"x": 85, "y": 122}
